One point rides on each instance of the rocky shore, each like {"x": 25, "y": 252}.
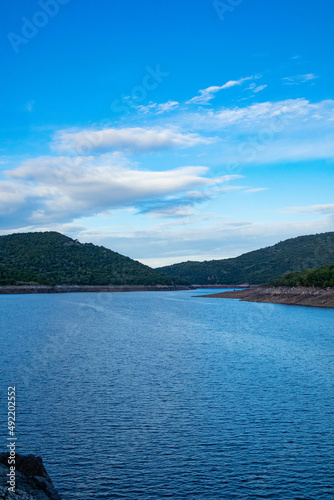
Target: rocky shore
{"x": 14, "y": 289}
{"x": 32, "y": 480}
{"x": 301, "y": 296}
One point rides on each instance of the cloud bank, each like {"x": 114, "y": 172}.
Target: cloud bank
{"x": 61, "y": 189}
{"x": 134, "y": 139}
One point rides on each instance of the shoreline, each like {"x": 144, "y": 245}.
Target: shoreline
{"x": 35, "y": 289}
{"x": 297, "y": 296}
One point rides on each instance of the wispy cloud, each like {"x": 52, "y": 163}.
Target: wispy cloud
{"x": 257, "y": 113}
{"x": 259, "y": 88}
{"x": 255, "y": 190}
{"x": 313, "y": 209}
{"x": 158, "y": 109}
{"x": 30, "y": 106}
{"x": 268, "y": 132}
{"x": 253, "y": 116}
{"x": 206, "y": 95}
{"x": 254, "y": 88}
{"x": 298, "y": 79}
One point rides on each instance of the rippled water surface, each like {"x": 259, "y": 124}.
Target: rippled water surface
{"x": 152, "y": 395}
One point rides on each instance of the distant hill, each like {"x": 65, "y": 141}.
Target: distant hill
{"x": 320, "y": 277}
{"x": 260, "y": 266}
{"x": 50, "y": 258}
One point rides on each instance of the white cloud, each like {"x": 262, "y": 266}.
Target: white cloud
{"x": 210, "y": 236}
{"x": 259, "y": 88}
{"x": 254, "y": 116}
{"x": 55, "y": 192}
{"x": 62, "y": 189}
{"x": 314, "y": 209}
{"x": 259, "y": 112}
{"x": 245, "y": 189}
{"x": 167, "y": 106}
{"x": 146, "y": 109}
{"x": 255, "y": 190}
{"x": 230, "y": 188}
{"x": 298, "y": 79}
{"x": 30, "y": 106}
{"x": 11, "y": 197}
{"x": 158, "y": 109}
{"x": 268, "y": 150}
{"x": 180, "y": 241}
{"x": 172, "y": 212}
{"x": 254, "y": 88}
{"x": 268, "y": 132}
{"x": 130, "y": 139}
{"x": 206, "y": 95}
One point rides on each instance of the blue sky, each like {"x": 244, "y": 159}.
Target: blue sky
{"x": 167, "y": 131}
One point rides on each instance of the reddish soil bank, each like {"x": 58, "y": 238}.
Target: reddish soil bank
{"x": 301, "y": 296}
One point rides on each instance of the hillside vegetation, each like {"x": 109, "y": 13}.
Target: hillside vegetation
{"x": 50, "y": 258}
{"x": 260, "y": 266}
{"x": 320, "y": 277}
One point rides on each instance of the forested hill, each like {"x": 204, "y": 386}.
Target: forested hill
{"x": 260, "y": 266}
{"x": 320, "y": 277}
{"x": 50, "y": 258}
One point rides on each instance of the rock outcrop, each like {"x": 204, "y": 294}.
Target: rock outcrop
{"x": 32, "y": 480}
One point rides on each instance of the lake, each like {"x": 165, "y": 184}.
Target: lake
{"x": 152, "y": 395}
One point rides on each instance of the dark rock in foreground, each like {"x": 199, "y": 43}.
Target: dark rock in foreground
{"x": 32, "y": 480}
{"x": 301, "y": 296}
